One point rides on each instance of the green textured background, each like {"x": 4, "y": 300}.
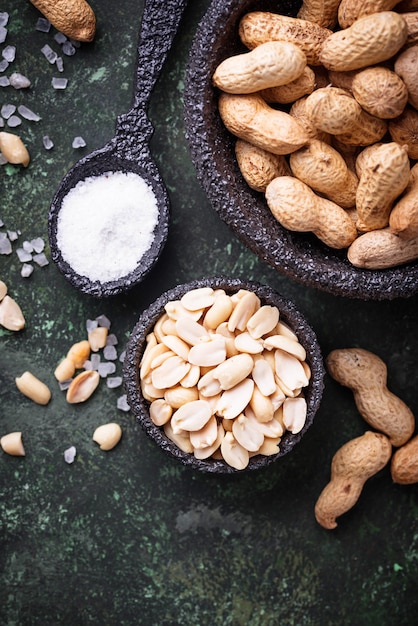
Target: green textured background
{"x": 129, "y": 536}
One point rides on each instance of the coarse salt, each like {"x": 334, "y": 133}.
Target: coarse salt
{"x": 106, "y": 225}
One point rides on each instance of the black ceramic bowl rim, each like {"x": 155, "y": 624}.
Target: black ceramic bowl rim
{"x": 299, "y": 256}
{"x": 94, "y": 165}
{"x": 137, "y": 343}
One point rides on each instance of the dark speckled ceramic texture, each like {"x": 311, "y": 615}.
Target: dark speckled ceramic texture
{"x": 129, "y": 150}
{"x": 137, "y": 344}
{"x": 299, "y": 256}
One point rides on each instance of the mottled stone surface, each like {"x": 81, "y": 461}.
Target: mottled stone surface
{"x": 131, "y": 536}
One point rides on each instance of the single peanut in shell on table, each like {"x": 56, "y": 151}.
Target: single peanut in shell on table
{"x": 352, "y": 465}
{"x": 365, "y": 374}
{"x": 404, "y": 464}
{"x": 74, "y": 18}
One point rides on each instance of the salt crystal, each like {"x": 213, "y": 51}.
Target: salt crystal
{"x": 64, "y": 384}
{"x": 4, "y": 81}
{"x": 111, "y": 340}
{"x": 47, "y": 142}
{"x": 18, "y": 81}
{"x": 114, "y": 381}
{"x": 91, "y": 325}
{"x": 43, "y": 25}
{"x": 23, "y": 255}
{"x": 110, "y": 353}
{"x": 5, "y": 245}
{"x": 9, "y": 53}
{"x": 4, "y": 18}
{"x": 59, "y": 83}
{"x": 27, "y": 246}
{"x": 12, "y": 234}
{"x": 3, "y": 34}
{"x": 78, "y": 142}
{"x": 122, "y": 356}
{"x": 26, "y": 270}
{"x": 60, "y": 64}
{"x": 102, "y": 320}
{"x": 122, "y": 403}
{"x": 49, "y": 53}
{"x": 70, "y": 454}
{"x": 75, "y": 43}
{"x": 105, "y": 369}
{"x": 68, "y": 49}
{"x": 14, "y": 121}
{"x": 60, "y": 38}
{"x": 4, "y": 65}
{"x": 28, "y": 114}
{"x": 87, "y": 365}
{"x": 3, "y": 159}
{"x": 38, "y": 244}
{"x": 7, "y": 110}
{"x": 95, "y": 361}
{"x": 40, "y": 259}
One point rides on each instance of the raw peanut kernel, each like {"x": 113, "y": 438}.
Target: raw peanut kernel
{"x": 82, "y": 386}
{"x": 107, "y": 435}
{"x": 33, "y": 388}
{"x": 3, "y": 290}
{"x": 97, "y": 338}
{"x": 79, "y": 353}
{"x": 11, "y": 316}
{"x": 191, "y": 416}
{"x": 233, "y": 370}
{"x": 12, "y": 444}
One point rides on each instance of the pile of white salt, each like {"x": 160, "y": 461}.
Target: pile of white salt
{"x": 106, "y": 225}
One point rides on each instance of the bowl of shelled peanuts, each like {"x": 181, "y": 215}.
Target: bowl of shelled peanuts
{"x": 303, "y": 131}
{"x": 224, "y": 375}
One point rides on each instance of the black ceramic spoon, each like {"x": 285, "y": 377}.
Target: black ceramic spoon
{"x": 129, "y": 150}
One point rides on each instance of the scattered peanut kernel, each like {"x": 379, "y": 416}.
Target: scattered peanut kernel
{"x": 12, "y": 444}
{"x": 223, "y": 376}
{"x": 11, "y": 316}
{"x": 107, "y": 435}
{"x": 82, "y": 386}
{"x": 33, "y": 388}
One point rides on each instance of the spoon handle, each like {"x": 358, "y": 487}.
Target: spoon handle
{"x": 160, "y": 20}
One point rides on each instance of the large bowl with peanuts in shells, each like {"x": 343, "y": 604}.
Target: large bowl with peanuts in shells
{"x": 302, "y": 122}
{"x": 223, "y": 375}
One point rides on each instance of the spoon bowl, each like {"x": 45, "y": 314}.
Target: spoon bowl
{"x": 128, "y": 152}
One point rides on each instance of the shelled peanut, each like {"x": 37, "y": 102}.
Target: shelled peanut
{"x": 363, "y": 100}
{"x": 224, "y": 376}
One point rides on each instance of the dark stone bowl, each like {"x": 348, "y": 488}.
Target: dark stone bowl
{"x": 137, "y": 343}
{"x": 299, "y": 256}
